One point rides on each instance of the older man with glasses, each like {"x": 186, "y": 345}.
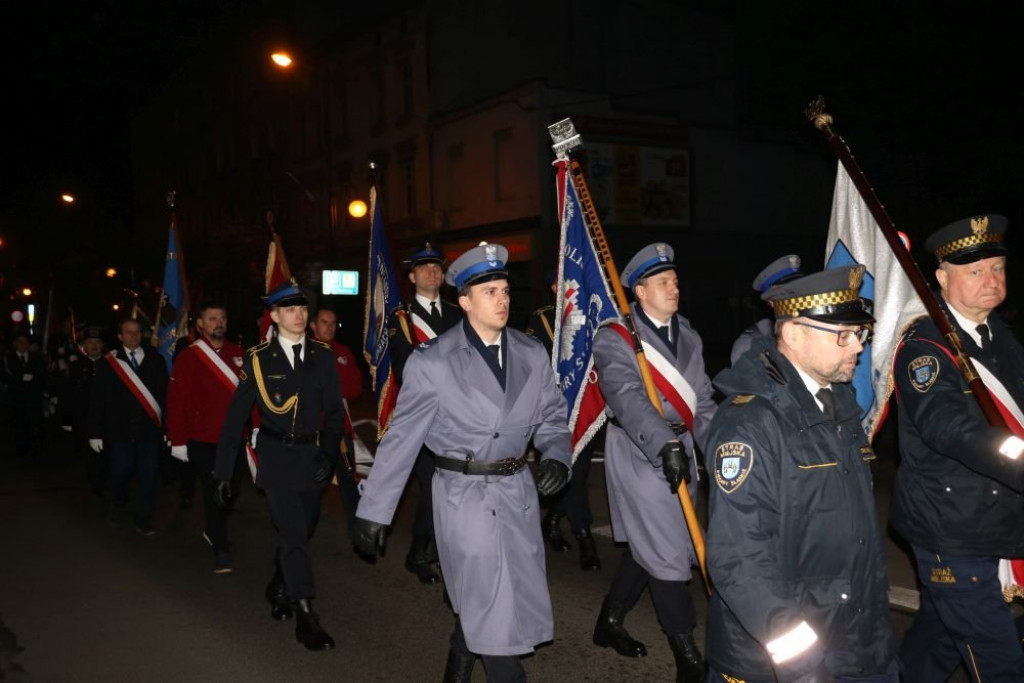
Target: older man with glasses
{"x": 794, "y": 548}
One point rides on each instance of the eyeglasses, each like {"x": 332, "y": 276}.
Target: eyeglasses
{"x": 843, "y": 337}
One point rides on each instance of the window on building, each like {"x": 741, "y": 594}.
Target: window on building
{"x": 503, "y": 163}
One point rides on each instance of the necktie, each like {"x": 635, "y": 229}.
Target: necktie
{"x": 297, "y": 354}
{"x": 131, "y": 360}
{"x": 828, "y": 402}
{"x": 495, "y": 350}
{"x": 986, "y": 338}
{"x": 435, "y": 316}
{"x": 666, "y": 335}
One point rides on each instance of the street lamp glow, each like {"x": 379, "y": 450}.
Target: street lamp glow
{"x": 26, "y": 292}
{"x": 282, "y": 59}
{"x": 116, "y": 307}
{"x": 111, "y": 272}
{"x": 67, "y": 198}
{"x": 357, "y": 208}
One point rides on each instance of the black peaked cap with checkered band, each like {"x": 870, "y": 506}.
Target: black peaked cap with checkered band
{"x": 830, "y": 296}
{"x": 969, "y": 240}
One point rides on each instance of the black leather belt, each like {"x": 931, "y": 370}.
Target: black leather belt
{"x": 678, "y": 428}
{"x": 291, "y": 439}
{"x": 504, "y": 468}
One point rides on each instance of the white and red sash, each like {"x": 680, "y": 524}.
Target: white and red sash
{"x": 669, "y": 382}
{"x": 422, "y": 330}
{"x": 215, "y": 364}
{"x": 134, "y": 384}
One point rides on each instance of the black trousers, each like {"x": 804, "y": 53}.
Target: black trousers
{"x": 672, "y": 601}
{"x": 348, "y": 487}
{"x": 26, "y": 419}
{"x": 295, "y": 514}
{"x": 201, "y": 456}
{"x": 95, "y": 465}
{"x": 963, "y": 618}
{"x": 499, "y": 668}
{"x": 423, "y": 527}
{"x": 574, "y": 501}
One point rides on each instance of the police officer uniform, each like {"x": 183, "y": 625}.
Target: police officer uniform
{"x": 301, "y": 421}
{"x": 75, "y": 409}
{"x": 478, "y": 408}
{"x": 957, "y": 499}
{"x": 27, "y": 376}
{"x": 794, "y": 551}
{"x": 779, "y": 271}
{"x": 574, "y": 501}
{"x": 415, "y": 323}
{"x": 645, "y": 513}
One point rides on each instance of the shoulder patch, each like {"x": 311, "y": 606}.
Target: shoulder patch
{"x": 733, "y": 462}
{"x": 742, "y": 399}
{"x": 923, "y": 371}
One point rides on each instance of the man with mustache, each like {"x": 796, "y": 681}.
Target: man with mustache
{"x": 794, "y": 550}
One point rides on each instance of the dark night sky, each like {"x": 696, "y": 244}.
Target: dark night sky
{"x": 936, "y": 79}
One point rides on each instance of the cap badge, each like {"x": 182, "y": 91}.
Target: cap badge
{"x": 491, "y": 252}
{"x": 979, "y": 225}
{"x": 660, "y": 248}
{"x": 794, "y": 261}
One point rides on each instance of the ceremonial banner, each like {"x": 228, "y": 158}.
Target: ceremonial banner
{"x": 382, "y": 298}
{"x": 277, "y": 271}
{"x": 172, "y": 321}
{"x": 583, "y": 303}
{"x": 855, "y": 238}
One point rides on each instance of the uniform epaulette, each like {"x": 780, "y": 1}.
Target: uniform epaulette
{"x": 426, "y": 344}
{"x": 321, "y": 343}
{"x": 259, "y": 347}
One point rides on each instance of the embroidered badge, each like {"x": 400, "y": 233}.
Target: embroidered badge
{"x": 742, "y": 399}
{"x": 923, "y": 371}
{"x": 942, "y": 575}
{"x": 866, "y": 453}
{"x": 277, "y": 397}
{"x": 733, "y": 461}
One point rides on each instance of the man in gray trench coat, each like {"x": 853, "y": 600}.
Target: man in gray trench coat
{"x": 476, "y": 396}
{"x": 644, "y": 450}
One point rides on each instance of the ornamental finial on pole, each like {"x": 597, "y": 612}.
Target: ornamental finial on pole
{"x": 565, "y": 138}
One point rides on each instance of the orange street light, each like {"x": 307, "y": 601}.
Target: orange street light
{"x": 116, "y": 307}
{"x": 67, "y": 198}
{"x": 111, "y": 272}
{"x": 357, "y": 208}
{"x": 282, "y": 59}
{"x": 26, "y": 292}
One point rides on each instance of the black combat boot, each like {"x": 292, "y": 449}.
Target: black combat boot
{"x": 609, "y": 632}
{"x": 459, "y": 668}
{"x": 418, "y": 562}
{"x": 690, "y": 665}
{"x": 589, "y": 561}
{"x": 277, "y": 596}
{"x": 553, "y": 533}
{"x": 308, "y": 630}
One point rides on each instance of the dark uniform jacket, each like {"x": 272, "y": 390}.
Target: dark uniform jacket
{"x": 542, "y": 326}
{"x": 14, "y": 371}
{"x": 955, "y": 494}
{"x": 77, "y": 395}
{"x": 401, "y": 345}
{"x": 271, "y": 387}
{"x": 115, "y": 413}
{"x": 793, "y": 535}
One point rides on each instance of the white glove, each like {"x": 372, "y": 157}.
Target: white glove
{"x": 1012, "y": 448}
{"x": 66, "y": 428}
{"x": 96, "y": 445}
{"x": 252, "y": 439}
{"x": 180, "y": 452}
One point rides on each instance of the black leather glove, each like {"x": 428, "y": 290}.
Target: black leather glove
{"x": 223, "y": 496}
{"x": 324, "y": 467}
{"x": 552, "y": 476}
{"x": 675, "y": 464}
{"x": 367, "y": 537}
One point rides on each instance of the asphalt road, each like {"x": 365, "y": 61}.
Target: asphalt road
{"x": 81, "y": 600}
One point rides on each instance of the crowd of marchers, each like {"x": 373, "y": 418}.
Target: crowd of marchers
{"x": 794, "y": 551}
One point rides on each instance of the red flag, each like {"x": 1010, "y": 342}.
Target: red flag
{"x": 276, "y": 273}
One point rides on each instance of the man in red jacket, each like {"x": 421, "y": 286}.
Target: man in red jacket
{"x": 202, "y": 383}
{"x": 324, "y": 326}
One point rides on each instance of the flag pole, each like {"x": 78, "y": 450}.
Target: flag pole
{"x": 566, "y": 139}
{"x": 822, "y": 120}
